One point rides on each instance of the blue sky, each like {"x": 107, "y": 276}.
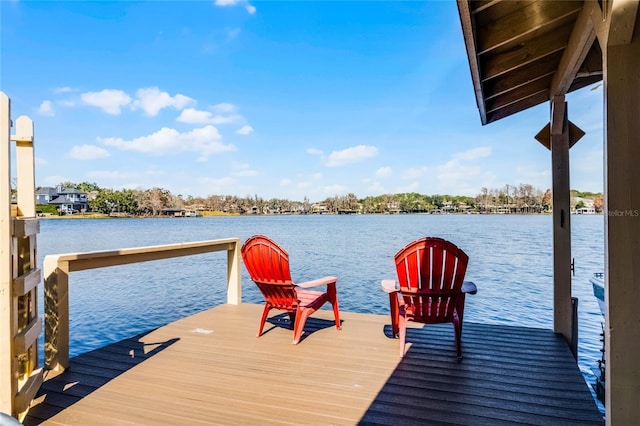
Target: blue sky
{"x": 281, "y": 99}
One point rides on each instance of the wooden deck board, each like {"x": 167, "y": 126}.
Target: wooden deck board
{"x": 210, "y": 369}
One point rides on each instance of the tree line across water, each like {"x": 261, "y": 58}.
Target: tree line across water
{"x": 523, "y": 198}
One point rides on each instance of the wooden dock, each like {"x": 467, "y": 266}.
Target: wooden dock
{"x": 211, "y": 369}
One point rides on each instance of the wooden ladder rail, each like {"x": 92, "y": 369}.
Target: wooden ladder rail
{"x": 20, "y": 326}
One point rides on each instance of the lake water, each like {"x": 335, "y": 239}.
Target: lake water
{"x": 510, "y": 262}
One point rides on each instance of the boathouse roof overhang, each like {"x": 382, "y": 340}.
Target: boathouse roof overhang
{"x": 523, "y": 53}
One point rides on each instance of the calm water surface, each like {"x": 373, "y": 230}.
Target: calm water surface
{"x": 510, "y": 262}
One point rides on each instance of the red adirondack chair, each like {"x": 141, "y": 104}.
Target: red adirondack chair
{"x": 431, "y": 288}
{"x": 268, "y": 266}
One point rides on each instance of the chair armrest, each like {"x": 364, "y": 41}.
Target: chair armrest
{"x": 469, "y": 287}
{"x": 389, "y": 286}
{"x": 319, "y": 281}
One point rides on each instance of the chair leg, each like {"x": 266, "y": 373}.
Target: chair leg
{"x": 402, "y": 325}
{"x": 301, "y": 319}
{"x": 333, "y": 299}
{"x": 457, "y": 328}
{"x": 265, "y": 313}
{"x": 393, "y": 304}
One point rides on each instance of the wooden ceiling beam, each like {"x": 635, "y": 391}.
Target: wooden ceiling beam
{"x": 533, "y": 18}
{"x": 526, "y": 53}
{"x": 479, "y": 6}
{"x": 581, "y": 40}
{"x": 545, "y": 67}
{"x": 532, "y": 100}
{"x": 533, "y": 87}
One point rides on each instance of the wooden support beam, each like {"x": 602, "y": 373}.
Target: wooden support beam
{"x": 622, "y": 225}
{"x": 622, "y": 22}
{"x": 8, "y": 384}
{"x": 581, "y": 40}
{"x": 56, "y": 318}
{"x": 562, "y": 308}
{"x": 469, "y": 40}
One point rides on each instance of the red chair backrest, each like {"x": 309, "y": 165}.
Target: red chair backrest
{"x": 268, "y": 266}
{"x": 431, "y": 272}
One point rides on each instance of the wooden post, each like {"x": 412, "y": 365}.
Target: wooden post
{"x": 56, "y": 306}
{"x": 234, "y": 281}
{"x": 562, "y": 307}
{"x": 25, "y": 160}
{"x": 8, "y": 386}
{"x": 622, "y": 219}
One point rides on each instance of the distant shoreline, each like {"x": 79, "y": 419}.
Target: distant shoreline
{"x": 123, "y": 216}
{"x": 221, "y": 214}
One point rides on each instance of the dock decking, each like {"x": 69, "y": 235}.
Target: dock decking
{"x": 209, "y": 368}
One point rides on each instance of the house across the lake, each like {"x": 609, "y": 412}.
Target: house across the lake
{"x": 66, "y": 200}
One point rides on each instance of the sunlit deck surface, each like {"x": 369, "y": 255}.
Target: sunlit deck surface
{"x": 210, "y": 369}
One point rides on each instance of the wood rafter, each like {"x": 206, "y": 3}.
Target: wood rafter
{"x": 533, "y": 18}
{"x": 515, "y": 47}
{"x": 525, "y": 54}
{"x": 580, "y": 42}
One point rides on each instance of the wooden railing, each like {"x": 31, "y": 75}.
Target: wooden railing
{"x": 56, "y": 287}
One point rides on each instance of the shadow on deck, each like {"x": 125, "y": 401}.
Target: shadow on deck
{"x": 210, "y": 369}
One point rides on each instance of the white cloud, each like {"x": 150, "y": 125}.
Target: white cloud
{"x": 194, "y": 116}
{"x": 40, "y": 161}
{"x": 152, "y": 100}
{"x": 286, "y": 182}
{"x": 245, "y": 173}
{"x": 350, "y": 155}
{"x": 62, "y": 90}
{"x": 245, "y": 130}
{"x": 205, "y": 141}
{"x": 314, "y": 151}
{"x": 221, "y": 119}
{"x": 66, "y": 103}
{"x": 473, "y": 154}
{"x": 384, "y": 171}
{"x": 111, "y": 175}
{"x": 223, "y": 3}
{"x": 243, "y": 170}
{"x": 46, "y": 108}
{"x": 461, "y": 176}
{"x": 87, "y": 152}
{"x": 233, "y": 33}
{"x": 109, "y": 100}
{"x": 224, "y": 108}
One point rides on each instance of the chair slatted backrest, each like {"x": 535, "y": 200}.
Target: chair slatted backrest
{"x": 431, "y": 272}
{"x": 268, "y": 266}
